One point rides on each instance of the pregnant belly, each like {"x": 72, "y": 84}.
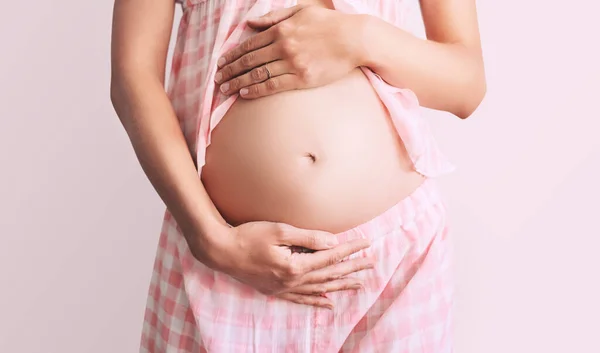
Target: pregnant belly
{"x": 327, "y": 158}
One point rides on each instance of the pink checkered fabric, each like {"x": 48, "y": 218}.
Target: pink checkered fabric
{"x": 406, "y": 306}
{"x": 407, "y": 303}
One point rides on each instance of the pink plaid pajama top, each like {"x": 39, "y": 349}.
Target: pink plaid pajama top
{"x": 406, "y": 305}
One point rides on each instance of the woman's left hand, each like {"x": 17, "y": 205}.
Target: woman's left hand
{"x": 298, "y": 47}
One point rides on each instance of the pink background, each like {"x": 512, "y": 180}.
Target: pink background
{"x": 79, "y": 222}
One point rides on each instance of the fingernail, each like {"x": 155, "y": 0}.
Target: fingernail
{"x": 243, "y": 91}
{"x": 221, "y": 62}
{"x": 218, "y": 77}
{"x": 224, "y": 87}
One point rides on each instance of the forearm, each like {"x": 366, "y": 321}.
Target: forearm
{"x": 147, "y": 115}
{"x": 444, "y": 76}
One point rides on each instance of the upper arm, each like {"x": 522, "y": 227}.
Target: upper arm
{"x": 141, "y": 31}
{"x": 452, "y": 21}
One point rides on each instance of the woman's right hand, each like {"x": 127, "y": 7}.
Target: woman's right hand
{"x": 260, "y": 254}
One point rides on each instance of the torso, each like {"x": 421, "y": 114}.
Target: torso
{"x": 326, "y": 158}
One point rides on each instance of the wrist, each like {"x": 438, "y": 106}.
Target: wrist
{"x": 209, "y": 241}
{"x": 360, "y": 38}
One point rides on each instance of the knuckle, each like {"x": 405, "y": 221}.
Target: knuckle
{"x": 301, "y": 300}
{"x": 258, "y": 74}
{"x": 334, "y": 259}
{"x": 348, "y": 284}
{"x": 282, "y": 29}
{"x": 286, "y": 284}
{"x": 358, "y": 266}
{"x": 320, "y": 289}
{"x": 318, "y": 301}
{"x": 248, "y": 44}
{"x": 312, "y": 241}
{"x": 234, "y": 84}
{"x": 248, "y": 59}
{"x": 288, "y": 48}
{"x": 254, "y": 90}
{"x": 272, "y": 85}
{"x": 303, "y": 69}
{"x": 227, "y": 72}
{"x": 299, "y": 63}
{"x": 294, "y": 270}
{"x": 279, "y": 231}
{"x": 308, "y": 300}
{"x": 227, "y": 57}
{"x": 306, "y": 74}
{"x": 335, "y": 275}
{"x": 282, "y": 281}
{"x": 291, "y": 285}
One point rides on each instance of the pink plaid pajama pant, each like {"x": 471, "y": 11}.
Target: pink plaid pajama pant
{"x": 405, "y": 307}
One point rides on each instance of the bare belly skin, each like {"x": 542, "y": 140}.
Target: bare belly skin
{"x": 327, "y": 158}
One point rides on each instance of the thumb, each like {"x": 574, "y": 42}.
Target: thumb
{"x": 272, "y": 18}
{"x": 310, "y": 239}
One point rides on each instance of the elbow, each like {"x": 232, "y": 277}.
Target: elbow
{"x": 473, "y": 85}
{"x": 474, "y": 94}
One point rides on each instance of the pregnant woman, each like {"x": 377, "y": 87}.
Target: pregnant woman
{"x": 298, "y": 175}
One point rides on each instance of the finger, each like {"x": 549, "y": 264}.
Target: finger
{"x": 304, "y": 299}
{"x": 325, "y": 258}
{"x": 253, "y": 43}
{"x": 274, "y": 85}
{"x": 246, "y": 63}
{"x": 273, "y": 17}
{"x": 327, "y": 287}
{"x": 340, "y": 270}
{"x": 257, "y": 75}
{"x": 303, "y": 238}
